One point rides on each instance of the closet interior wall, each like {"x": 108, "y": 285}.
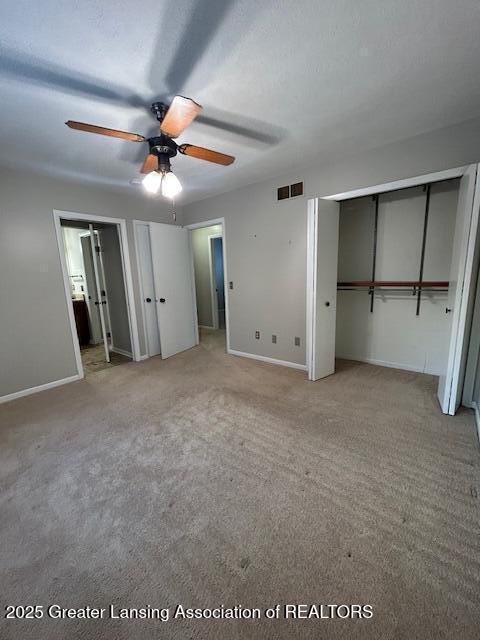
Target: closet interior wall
{"x": 384, "y": 240}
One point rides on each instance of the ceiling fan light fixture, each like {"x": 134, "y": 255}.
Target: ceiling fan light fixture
{"x": 170, "y": 185}
{"x": 173, "y": 120}
{"x": 152, "y": 182}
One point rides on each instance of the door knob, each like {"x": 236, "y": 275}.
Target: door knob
{"x": 327, "y": 303}
{"x": 148, "y": 299}
{"x": 447, "y": 310}
{"x": 162, "y": 299}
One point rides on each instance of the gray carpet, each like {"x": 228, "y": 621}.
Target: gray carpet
{"x": 208, "y": 479}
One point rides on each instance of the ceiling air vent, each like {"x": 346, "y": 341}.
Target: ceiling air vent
{"x": 290, "y": 191}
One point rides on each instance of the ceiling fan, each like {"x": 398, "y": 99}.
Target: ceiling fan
{"x": 173, "y": 119}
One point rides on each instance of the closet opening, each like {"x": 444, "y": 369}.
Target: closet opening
{"x": 95, "y": 279}
{"x": 390, "y": 278}
{"x": 394, "y": 261}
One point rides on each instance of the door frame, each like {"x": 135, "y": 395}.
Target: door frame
{"x": 210, "y": 223}
{"x": 438, "y": 176}
{"x": 451, "y": 392}
{"x": 213, "y": 283}
{"x": 312, "y": 208}
{"x": 121, "y": 224}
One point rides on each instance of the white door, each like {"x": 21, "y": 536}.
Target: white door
{"x": 144, "y": 253}
{"x": 173, "y": 275}
{"x": 100, "y": 302}
{"x": 91, "y": 292}
{"x": 322, "y": 259}
{"x": 97, "y": 237}
{"x": 460, "y": 290}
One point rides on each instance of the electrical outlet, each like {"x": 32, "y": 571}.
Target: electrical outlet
{"x": 297, "y": 341}
{"x": 257, "y": 335}
{"x": 274, "y": 338}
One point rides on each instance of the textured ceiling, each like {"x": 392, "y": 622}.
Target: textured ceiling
{"x": 281, "y": 81}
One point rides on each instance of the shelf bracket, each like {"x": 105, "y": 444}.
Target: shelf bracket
{"x": 424, "y": 242}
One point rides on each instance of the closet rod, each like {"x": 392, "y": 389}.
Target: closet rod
{"x": 379, "y": 290}
{"x": 373, "y": 284}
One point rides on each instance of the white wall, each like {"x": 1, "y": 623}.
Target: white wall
{"x": 35, "y": 339}
{"x": 203, "y": 282}
{"x": 393, "y": 334}
{"x": 266, "y": 245}
{"x": 266, "y": 240}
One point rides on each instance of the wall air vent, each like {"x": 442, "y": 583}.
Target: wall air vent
{"x": 290, "y": 191}
{"x": 296, "y": 189}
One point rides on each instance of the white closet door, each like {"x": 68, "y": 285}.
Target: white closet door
{"x": 460, "y": 290}
{"x": 148, "y": 289}
{"x": 322, "y": 263}
{"x": 173, "y": 271}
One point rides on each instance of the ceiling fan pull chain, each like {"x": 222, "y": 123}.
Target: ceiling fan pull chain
{"x": 174, "y": 213}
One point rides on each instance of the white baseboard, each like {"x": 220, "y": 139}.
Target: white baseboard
{"x": 41, "y": 387}
{"x": 254, "y": 356}
{"x": 121, "y": 352}
{"x": 390, "y": 365}
{"x": 204, "y": 326}
{"x": 145, "y": 356}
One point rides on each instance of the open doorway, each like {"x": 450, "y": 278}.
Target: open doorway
{"x": 94, "y": 272}
{"x": 208, "y": 265}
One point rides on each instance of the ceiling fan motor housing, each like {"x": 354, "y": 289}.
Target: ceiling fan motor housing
{"x": 159, "y": 109}
{"x": 164, "y": 148}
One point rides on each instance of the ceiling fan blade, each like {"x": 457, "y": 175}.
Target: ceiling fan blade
{"x": 180, "y": 114}
{"x": 205, "y": 154}
{"x": 150, "y": 164}
{"x": 113, "y": 133}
